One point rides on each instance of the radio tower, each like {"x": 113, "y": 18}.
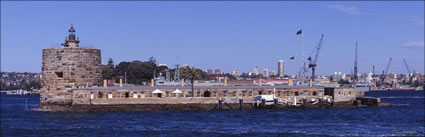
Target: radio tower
{"x": 355, "y": 65}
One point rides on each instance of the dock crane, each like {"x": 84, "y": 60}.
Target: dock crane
{"x": 384, "y": 73}
{"x": 312, "y": 63}
{"x": 407, "y": 67}
{"x": 408, "y": 70}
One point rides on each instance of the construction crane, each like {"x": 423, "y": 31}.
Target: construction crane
{"x": 408, "y": 70}
{"x": 384, "y": 73}
{"x": 313, "y": 62}
{"x": 388, "y": 66}
{"x": 407, "y": 67}
{"x": 355, "y": 65}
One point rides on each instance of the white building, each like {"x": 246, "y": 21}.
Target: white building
{"x": 236, "y": 73}
{"x": 256, "y": 70}
{"x": 281, "y": 68}
{"x": 338, "y": 76}
{"x": 266, "y": 73}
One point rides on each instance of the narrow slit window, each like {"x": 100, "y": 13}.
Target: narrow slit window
{"x": 100, "y": 95}
{"x": 59, "y": 74}
{"x": 127, "y": 94}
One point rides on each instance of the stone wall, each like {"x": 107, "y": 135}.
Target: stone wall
{"x": 344, "y": 95}
{"x": 65, "y": 68}
{"x": 145, "y": 96}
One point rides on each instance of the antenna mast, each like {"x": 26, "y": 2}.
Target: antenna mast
{"x": 355, "y": 64}
{"x": 177, "y": 72}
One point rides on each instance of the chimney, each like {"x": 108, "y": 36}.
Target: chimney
{"x": 120, "y": 82}
{"x": 225, "y": 81}
{"x": 105, "y": 83}
{"x": 259, "y": 82}
{"x": 182, "y": 82}
{"x": 152, "y": 82}
{"x": 311, "y": 83}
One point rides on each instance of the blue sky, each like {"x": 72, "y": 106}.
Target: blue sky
{"x": 225, "y": 35}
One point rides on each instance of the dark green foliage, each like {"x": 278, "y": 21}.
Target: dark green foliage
{"x": 343, "y": 81}
{"x": 107, "y": 72}
{"x": 110, "y": 64}
{"x": 191, "y": 74}
{"x": 137, "y": 71}
{"x": 161, "y": 69}
{"x": 230, "y": 76}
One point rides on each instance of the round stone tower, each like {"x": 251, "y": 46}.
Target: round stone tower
{"x": 68, "y": 67}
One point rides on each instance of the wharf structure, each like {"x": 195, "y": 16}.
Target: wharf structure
{"x": 71, "y": 81}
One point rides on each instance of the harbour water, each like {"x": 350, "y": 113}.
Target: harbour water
{"x": 405, "y": 118}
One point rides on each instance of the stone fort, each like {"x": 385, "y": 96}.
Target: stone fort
{"x": 66, "y": 68}
{"x": 72, "y": 81}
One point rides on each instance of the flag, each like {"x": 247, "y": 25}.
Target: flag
{"x": 292, "y": 58}
{"x": 300, "y": 32}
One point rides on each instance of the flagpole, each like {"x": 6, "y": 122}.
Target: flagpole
{"x": 302, "y": 57}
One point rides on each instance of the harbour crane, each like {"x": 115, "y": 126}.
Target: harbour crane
{"x": 407, "y": 67}
{"x": 313, "y": 62}
{"x": 408, "y": 70}
{"x": 355, "y": 65}
{"x": 384, "y": 73}
{"x": 388, "y": 66}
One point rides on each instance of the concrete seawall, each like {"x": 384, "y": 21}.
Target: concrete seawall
{"x": 201, "y": 104}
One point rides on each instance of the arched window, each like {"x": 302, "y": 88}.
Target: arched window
{"x": 99, "y": 95}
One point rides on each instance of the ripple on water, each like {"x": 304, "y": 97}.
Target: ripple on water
{"x": 406, "y": 118}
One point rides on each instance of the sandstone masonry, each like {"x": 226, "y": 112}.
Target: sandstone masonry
{"x": 66, "y": 68}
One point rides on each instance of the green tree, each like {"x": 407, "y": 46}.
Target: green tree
{"x": 343, "y": 81}
{"x": 152, "y": 61}
{"x": 230, "y": 76}
{"x": 110, "y": 64}
{"x": 120, "y": 70}
{"x": 161, "y": 69}
{"x": 192, "y": 74}
{"x": 107, "y": 72}
{"x": 139, "y": 72}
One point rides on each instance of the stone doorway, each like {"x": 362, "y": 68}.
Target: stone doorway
{"x": 207, "y": 94}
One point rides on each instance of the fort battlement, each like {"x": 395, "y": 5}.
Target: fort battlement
{"x": 68, "y": 67}
{"x": 72, "y": 78}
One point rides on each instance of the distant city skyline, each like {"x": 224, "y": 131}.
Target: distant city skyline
{"x": 221, "y": 35}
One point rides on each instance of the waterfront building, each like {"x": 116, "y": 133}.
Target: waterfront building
{"x": 217, "y": 71}
{"x": 369, "y": 77}
{"x": 281, "y": 68}
{"x": 266, "y": 73}
{"x": 236, "y": 73}
{"x": 271, "y": 81}
{"x": 339, "y": 76}
{"x": 273, "y": 73}
{"x": 256, "y": 70}
{"x": 210, "y": 71}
